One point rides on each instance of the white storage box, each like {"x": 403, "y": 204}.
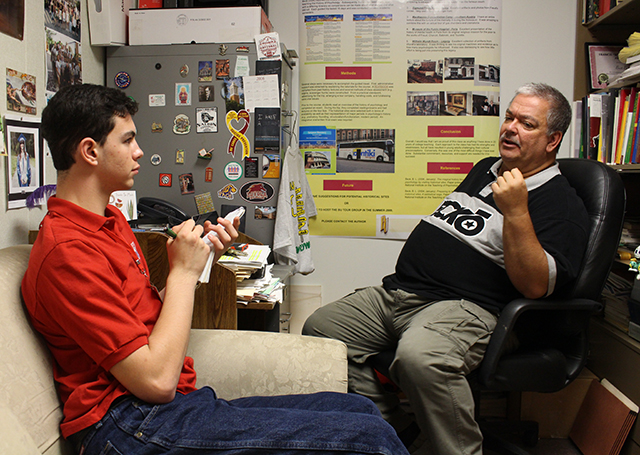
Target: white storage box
{"x": 108, "y": 22}
{"x": 197, "y": 25}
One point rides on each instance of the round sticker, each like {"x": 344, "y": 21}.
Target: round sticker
{"x": 122, "y": 79}
{"x": 233, "y": 171}
{"x": 156, "y": 159}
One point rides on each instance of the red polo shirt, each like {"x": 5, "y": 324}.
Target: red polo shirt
{"x": 88, "y": 293}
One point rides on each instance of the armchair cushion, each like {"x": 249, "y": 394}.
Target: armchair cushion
{"x": 243, "y": 363}
{"x": 14, "y": 438}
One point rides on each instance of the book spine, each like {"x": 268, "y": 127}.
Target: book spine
{"x": 595, "y": 117}
{"x": 632, "y": 131}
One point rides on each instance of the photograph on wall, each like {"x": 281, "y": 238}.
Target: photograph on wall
{"x": 12, "y": 18}
{"x": 21, "y": 92}
{"x": 25, "y": 170}
{"x": 63, "y": 59}
{"x": 63, "y": 16}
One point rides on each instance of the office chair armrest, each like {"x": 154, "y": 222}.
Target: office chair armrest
{"x": 571, "y": 317}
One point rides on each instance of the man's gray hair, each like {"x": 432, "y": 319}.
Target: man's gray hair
{"x": 559, "y": 115}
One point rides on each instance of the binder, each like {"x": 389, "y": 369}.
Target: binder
{"x": 603, "y": 421}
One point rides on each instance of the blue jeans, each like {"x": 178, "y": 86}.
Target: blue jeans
{"x": 199, "y": 423}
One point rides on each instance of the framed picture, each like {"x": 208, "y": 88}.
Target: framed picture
{"x": 603, "y": 65}
{"x": 25, "y": 163}
{"x": 12, "y": 18}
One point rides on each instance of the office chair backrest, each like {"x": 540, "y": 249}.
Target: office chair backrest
{"x": 603, "y": 194}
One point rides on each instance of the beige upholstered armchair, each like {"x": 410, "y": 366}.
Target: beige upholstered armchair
{"x": 234, "y": 363}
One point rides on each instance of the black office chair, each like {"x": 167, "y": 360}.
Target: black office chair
{"x": 552, "y": 333}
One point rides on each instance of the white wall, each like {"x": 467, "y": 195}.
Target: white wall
{"x": 28, "y": 56}
{"x": 536, "y": 47}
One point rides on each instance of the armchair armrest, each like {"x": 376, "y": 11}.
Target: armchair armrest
{"x": 239, "y": 363}
{"x": 561, "y": 334}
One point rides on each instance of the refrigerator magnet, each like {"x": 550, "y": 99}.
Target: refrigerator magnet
{"x": 205, "y": 93}
{"x": 205, "y": 154}
{"x": 156, "y": 127}
{"x": 227, "y": 192}
{"x": 223, "y": 49}
{"x": 179, "y": 156}
{"x": 206, "y": 119}
{"x": 157, "y": 100}
{"x": 181, "y": 124}
{"x": 257, "y": 192}
{"x": 184, "y": 70}
{"x": 251, "y": 167}
{"x": 208, "y": 174}
{"x": 186, "y": 184}
{"x": 205, "y": 71}
{"x": 165, "y": 179}
{"x": 156, "y": 159}
{"x": 233, "y": 171}
{"x": 122, "y": 79}
{"x": 183, "y": 94}
{"x": 222, "y": 68}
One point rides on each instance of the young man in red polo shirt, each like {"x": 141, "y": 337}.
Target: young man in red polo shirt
{"x": 119, "y": 345}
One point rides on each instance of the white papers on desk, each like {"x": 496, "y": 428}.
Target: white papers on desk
{"x": 265, "y": 289}
{"x": 255, "y": 258}
{"x": 261, "y": 91}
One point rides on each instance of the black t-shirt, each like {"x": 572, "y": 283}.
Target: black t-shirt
{"x": 457, "y": 253}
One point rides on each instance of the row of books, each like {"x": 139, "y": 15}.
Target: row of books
{"x": 593, "y": 9}
{"x": 605, "y": 126}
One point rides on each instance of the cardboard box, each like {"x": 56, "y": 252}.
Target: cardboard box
{"x": 108, "y": 22}
{"x": 556, "y": 412}
{"x": 197, "y": 25}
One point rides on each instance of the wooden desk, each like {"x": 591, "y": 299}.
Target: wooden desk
{"x": 215, "y": 304}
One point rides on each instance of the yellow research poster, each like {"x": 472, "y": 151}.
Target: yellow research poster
{"x": 399, "y": 99}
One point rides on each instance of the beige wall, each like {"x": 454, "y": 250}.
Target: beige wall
{"x": 28, "y": 56}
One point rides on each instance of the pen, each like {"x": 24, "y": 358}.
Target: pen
{"x": 171, "y": 232}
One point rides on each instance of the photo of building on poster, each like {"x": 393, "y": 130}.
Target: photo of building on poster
{"x": 398, "y": 102}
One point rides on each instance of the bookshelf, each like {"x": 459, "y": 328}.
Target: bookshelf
{"x": 613, "y": 27}
{"x": 614, "y": 354}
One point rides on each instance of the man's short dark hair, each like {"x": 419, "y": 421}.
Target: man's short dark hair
{"x": 80, "y": 111}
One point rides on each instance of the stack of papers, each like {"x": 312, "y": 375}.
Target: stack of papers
{"x": 254, "y": 259}
{"x": 256, "y": 283}
{"x": 265, "y": 289}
